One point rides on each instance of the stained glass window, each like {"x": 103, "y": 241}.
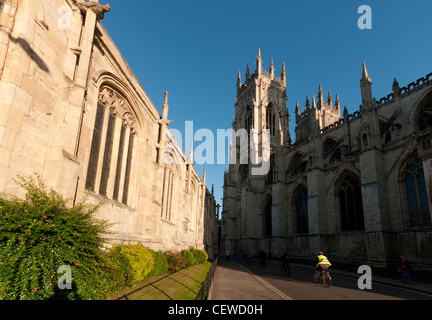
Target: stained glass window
{"x": 301, "y": 210}
{"x": 267, "y": 215}
{"x": 110, "y": 158}
{"x": 416, "y": 195}
{"x": 95, "y": 146}
{"x": 351, "y": 205}
{"x": 425, "y": 118}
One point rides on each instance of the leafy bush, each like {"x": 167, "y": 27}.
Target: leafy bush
{"x": 139, "y": 258}
{"x": 120, "y": 270}
{"x": 188, "y": 257}
{"x": 38, "y": 235}
{"x": 200, "y": 255}
{"x": 176, "y": 261}
{"x": 161, "y": 264}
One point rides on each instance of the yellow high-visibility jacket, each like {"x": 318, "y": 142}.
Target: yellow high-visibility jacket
{"x": 323, "y": 260}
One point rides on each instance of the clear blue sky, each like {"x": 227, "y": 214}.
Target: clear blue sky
{"x": 194, "y": 49}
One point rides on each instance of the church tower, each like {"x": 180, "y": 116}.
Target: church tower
{"x": 248, "y": 212}
{"x": 315, "y": 117}
{"x": 261, "y": 103}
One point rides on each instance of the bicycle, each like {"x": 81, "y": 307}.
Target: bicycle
{"x": 323, "y": 277}
{"x": 285, "y": 270}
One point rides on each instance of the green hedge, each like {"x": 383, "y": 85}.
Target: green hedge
{"x": 40, "y": 234}
{"x": 188, "y": 257}
{"x": 161, "y": 264}
{"x": 200, "y": 255}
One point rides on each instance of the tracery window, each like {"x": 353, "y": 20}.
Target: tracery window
{"x": 249, "y": 117}
{"x": 328, "y": 146}
{"x": 425, "y": 118}
{"x": 271, "y": 120}
{"x": 267, "y": 217}
{"x": 111, "y": 151}
{"x": 272, "y": 174}
{"x": 416, "y": 194}
{"x": 301, "y": 209}
{"x": 350, "y": 203}
{"x": 167, "y": 193}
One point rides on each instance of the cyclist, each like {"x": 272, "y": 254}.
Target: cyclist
{"x": 322, "y": 262}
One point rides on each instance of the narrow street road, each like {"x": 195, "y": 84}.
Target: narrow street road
{"x": 300, "y": 286}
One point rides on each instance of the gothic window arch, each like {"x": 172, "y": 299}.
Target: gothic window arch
{"x": 297, "y": 165}
{"x": 330, "y": 147}
{"x": 416, "y": 194}
{"x": 267, "y": 218}
{"x": 301, "y": 209}
{"x": 167, "y": 192}
{"x": 271, "y": 123}
{"x": 425, "y": 115}
{"x": 244, "y": 171}
{"x": 110, "y": 162}
{"x": 272, "y": 174}
{"x": 249, "y": 118}
{"x": 349, "y": 197}
{"x": 249, "y": 123}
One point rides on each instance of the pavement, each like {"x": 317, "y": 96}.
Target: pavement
{"x": 234, "y": 281}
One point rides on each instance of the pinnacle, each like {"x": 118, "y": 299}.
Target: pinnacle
{"x": 365, "y": 75}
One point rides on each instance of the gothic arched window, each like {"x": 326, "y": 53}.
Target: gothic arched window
{"x": 425, "y": 117}
{"x": 267, "y": 218}
{"x": 249, "y": 117}
{"x": 416, "y": 194}
{"x": 271, "y": 120}
{"x": 111, "y": 150}
{"x": 301, "y": 210}
{"x": 350, "y": 203}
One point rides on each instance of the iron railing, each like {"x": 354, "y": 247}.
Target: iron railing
{"x": 204, "y": 291}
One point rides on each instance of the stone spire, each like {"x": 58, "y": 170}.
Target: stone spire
{"x": 337, "y": 103}
{"x": 259, "y": 63}
{"x": 165, "y": 107}
{"x": 365, "y": 75}
{"x": 396, "y": 88}
{"x": 320, "y": 97}
{"x": 191, "y": 152}
{"x": 163, "y": 122}
{"x": 204, "y": 176}
{"x": 329, "y": 99}
{"x": 271, "y": 68}
{"x": 314, "y": 106}
{"x": 283, "y": 74}
{"x": 239, "y": 82}
{"x": 307, "y": 104}
{"x": 366, "y": 88}
{"x": 247, "y": 73}
{"x": 345, "y": 112}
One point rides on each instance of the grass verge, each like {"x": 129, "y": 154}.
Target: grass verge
{"x": 181, "y": 285}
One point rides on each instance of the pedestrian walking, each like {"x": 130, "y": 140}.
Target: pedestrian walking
{"x": 404, "y": 269}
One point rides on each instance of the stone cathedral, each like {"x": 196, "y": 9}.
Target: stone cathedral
{"x": 72, "y": 111}
{"x": 356, "y": 186}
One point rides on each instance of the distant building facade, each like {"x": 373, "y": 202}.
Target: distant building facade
{"x": 72, "y": 111}
{"x": 356, "y": 186}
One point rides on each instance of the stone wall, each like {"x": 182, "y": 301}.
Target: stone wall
{"x": 57, "y": 64}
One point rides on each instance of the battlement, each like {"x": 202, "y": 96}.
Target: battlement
{"x": 408, "y": 89}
